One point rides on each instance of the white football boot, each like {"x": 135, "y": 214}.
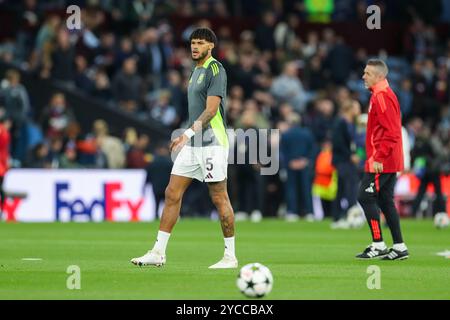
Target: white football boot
{"x": 151, "y": 258}
{"x": 227, "y": 262}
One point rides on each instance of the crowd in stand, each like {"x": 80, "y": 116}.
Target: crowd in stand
{"x": 128, "y": 56}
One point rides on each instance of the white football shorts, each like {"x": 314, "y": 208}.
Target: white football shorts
{"x": 208, "y": 164}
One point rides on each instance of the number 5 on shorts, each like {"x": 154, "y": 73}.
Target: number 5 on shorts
{"x": 209, "y": 165}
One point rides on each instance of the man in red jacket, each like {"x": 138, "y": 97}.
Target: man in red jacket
{"x": 5, "y": 125}
{"x": 384, "y": 159}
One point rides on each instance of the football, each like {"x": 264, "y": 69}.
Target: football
{"x": 355, "y": 217}
{"x": 255, "y": 280}
{"x": 441, "y": 220}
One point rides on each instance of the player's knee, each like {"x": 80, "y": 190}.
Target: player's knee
{"x": 364, "y": 198}
{"x": 386, "y": 203}
{"x": 219, "y": 199}
{"x": 172, "y": 195}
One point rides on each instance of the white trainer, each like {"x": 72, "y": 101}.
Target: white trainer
{"x": 151, "y": 258}
{"x": 227, "y": 262}
{"x": 340, "y": 224}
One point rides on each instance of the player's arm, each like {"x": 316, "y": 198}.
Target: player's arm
{"x": 212, "y": 106}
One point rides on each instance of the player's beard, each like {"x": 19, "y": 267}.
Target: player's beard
{"x": 201, "y": 56}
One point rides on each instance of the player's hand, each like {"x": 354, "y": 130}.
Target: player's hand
{"x": 178, "y": 143}
{"x": 377, "y": 167}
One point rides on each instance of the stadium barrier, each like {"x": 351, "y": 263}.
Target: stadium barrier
{"x": 78, "y": 195}
{"x": 45, "y": 195}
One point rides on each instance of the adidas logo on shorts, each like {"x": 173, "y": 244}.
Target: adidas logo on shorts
{"x": 209, "y": 176}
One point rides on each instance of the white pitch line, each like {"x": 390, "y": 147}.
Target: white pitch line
{"x": 31, "y": 259}
{"x": 445, "y": 253}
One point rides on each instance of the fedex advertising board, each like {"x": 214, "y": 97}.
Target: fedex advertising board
{"x": 78, "y": 195}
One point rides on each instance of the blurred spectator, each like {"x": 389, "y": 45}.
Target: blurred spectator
{"x": 345, "y": 160}
{"x": 251, "y": 117}
{"x": 339, "y": 62}
{"x": 17, "y": 107}
{"x": 264, "y": 34}
{"x": 177, "y": 98}
{"x": 55, "y": 151}
{"x": 56, "y": 116}
{"x": 111, "y": 146}
{"x": 320, "y": 119}
{"x": 312, "y": 44}
{"x": 405, "y": 97}
{"x": 245, "y": 72}
{"x": 63, "y": 58}
{"x": 163, "y": 111}
{"x": 142, "y": 12}
{"x": 314, "y": 74}
{"x": 68, "y": 159}
{"x": 298, "y": 149}
{"x": 325, "y": 186}
{"x": 345, "y": 10}
{"x": 285, "y": 31}
{"x": 89, "y": 155}
{"x": 106, "y": 54}
{"x": 124, "y": 52}
{"x": 47, "y": 32}
{"x": 158, "y": 174}
{"x": 28, "y": 19}
{"x": 130, "y": 137}
{"x": 249, "y": 182}
{"x": 8, "y": 51}
{"x": 127, "y": 86}
{"x": 427, "y": 159}
{"x": 137, "y": 157}
{"x": 288, "y": 88}
{"x": 155, "y": 58}
{"x": 38, "y": 157}
{"x": 234, "y": 109}
{"x": 82, "y": 78}
{"x": 102, "y": 86}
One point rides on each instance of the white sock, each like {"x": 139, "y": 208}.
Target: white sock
{"x": 161, "y": 242}
{"x": 229, "y": 246}
{"x": 379, "y": 245}
{"x": 400, "y": 247}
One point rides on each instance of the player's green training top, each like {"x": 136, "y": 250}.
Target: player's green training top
{"x": 208, "y": 80}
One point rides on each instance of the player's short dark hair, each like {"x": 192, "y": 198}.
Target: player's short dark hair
{"x": 204, "y": 34}
{"x": 380, "y": 65}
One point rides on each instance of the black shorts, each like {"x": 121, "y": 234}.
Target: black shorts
{"x": 377, "y": 184}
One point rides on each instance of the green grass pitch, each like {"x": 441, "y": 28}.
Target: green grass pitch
{"x": 308, "y": 261}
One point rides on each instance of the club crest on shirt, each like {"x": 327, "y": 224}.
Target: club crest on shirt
{"x": 200, "y": 78}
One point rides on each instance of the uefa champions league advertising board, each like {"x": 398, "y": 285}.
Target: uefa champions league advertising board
{"x": 78, "y": 195}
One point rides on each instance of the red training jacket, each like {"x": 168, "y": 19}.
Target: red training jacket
{"x": 4, "y": 150}
{"x": 384, "y": 130}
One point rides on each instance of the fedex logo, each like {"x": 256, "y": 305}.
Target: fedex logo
{"x": 10, "y": 207}
{"x": 109, "y": 203}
